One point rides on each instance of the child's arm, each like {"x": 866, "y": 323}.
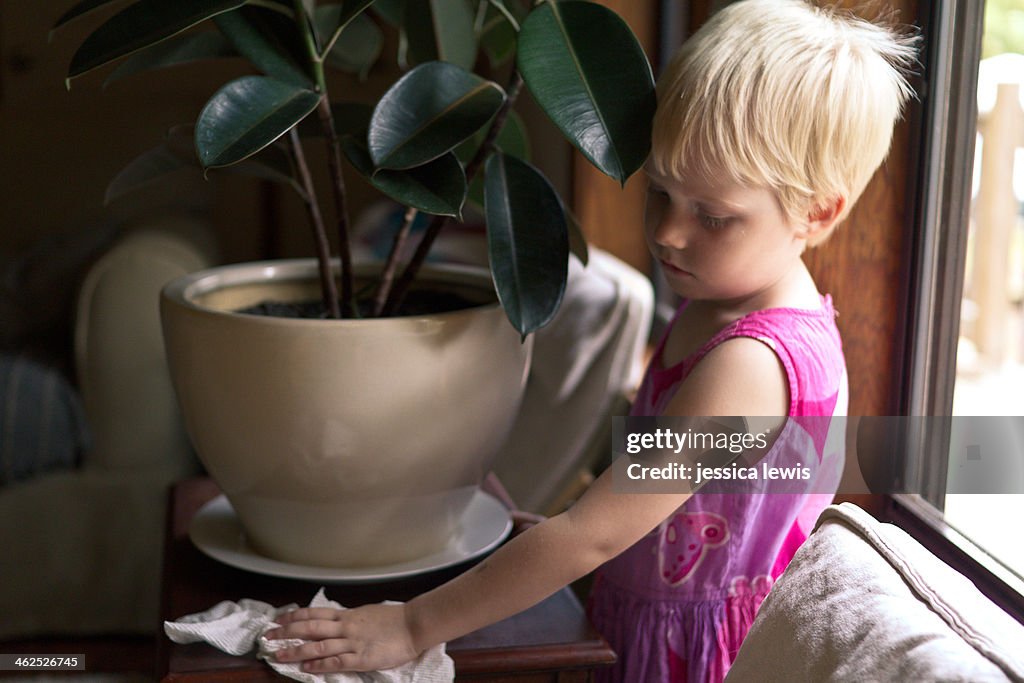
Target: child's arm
{"x": 521, "y": 573}
{"x": 737, "y": 378}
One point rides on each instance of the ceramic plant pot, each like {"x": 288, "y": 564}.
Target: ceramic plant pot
{"x": 341, "y": 443}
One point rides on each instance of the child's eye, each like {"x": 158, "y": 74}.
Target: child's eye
{"x": 712, "y": 222}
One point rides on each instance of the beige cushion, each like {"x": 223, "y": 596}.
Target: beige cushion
{"x": 863, "y": 601}
{"x": 119, "y": 353}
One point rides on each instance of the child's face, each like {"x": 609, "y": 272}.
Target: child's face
{"x": 719, "y": 241}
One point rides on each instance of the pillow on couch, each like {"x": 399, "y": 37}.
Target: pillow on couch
{"x": 864, "y": 601}
{"x": 42, "y": 427}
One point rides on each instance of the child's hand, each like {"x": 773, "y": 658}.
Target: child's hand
{"x": 361, "y": 639}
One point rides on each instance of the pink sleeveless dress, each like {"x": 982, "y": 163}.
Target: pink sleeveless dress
{"x": 675, "y": 620}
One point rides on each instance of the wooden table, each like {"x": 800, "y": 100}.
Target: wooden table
{"x": 552, "y": 641}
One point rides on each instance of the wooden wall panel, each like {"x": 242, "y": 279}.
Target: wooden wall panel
{"x": 866, "y": 266}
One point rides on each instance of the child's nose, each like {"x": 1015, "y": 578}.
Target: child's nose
{"x": 671, "y": 231}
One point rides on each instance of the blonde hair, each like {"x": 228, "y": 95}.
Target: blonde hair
{"x": 784, "y": 95}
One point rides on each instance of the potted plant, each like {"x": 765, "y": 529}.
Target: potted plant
{"x": 358, "y": 439}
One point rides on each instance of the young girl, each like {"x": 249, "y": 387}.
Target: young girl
{"x": 771, "y": 120}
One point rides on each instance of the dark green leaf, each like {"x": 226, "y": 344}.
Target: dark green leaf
{"x": 527, "y": 242}
{"x": 498, "y": 35}
{"x": 181, "y": 140}
{"x": 440, "y": 30}
{"x": 270, "y": 164}
{"x": 390, "y": 11}
{"x": 438, "y": 187}
{"x": 586, "y": 70}
{"x": 178, "y": 152}
{"x": 358, "y": 48}
{"x": 429, "y": 111}
{"x": 144, "y": 23}
{"x": 181, "y": 49}
{"x": 577, "y": 240}
{"x": 330, "y": 20}
{"x": 269, "y": 40}
{"x": 79, "y": 10}
{"x": 144, "y": 169}
{"x": 511, "y": 140}
{"x": 246, "y": 115}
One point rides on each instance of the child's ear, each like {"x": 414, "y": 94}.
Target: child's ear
{"x": 824, "y": 215}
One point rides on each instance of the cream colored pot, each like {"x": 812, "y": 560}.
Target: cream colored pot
{"x": 341, "y": 443}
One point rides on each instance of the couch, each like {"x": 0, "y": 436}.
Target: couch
{"x": 864, "y": 601}
{"x": 82, "y": 532}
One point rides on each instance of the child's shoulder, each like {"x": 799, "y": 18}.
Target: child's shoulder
{"x": 696, "y": 329}
{"x": 744, "y": 366}
{"x": 722, "y": 374}
{"x": 738, "y": 376}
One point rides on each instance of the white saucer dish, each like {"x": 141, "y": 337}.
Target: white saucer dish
{"x": 216, "y": 531}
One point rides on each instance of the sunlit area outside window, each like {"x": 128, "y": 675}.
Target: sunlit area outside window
{"x": 990, "y": 352}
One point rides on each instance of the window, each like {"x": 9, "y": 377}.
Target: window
{"x": 968, "y": 346}
{"x": 990, "y": 348}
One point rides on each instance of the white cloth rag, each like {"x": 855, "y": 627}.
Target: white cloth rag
{"x": 235, "y": 627}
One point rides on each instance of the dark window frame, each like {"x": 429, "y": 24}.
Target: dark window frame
{"x": 952, "y": 50}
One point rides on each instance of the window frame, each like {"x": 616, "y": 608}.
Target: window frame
{"x": 953, "y": 34}
{"x": 924, "y": 522}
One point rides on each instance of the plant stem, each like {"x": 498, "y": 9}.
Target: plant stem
{"x": 348, "y": 302}
{"x": 309, "y": 42}
{"x": 391, "y": 265}
{"x": 515, "y": 84}
{"x": 323, "y": 249}
{"x": 434, "y": 228}
{"x": 348, "y": 305}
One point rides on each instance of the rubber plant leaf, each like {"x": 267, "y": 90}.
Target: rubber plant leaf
{"x": 588, "y": 73}
{"x": 178, "y": 152}
{"x": 498, "y": 35}
{"x": 269, "y": 40}
{"x": 80, "y": 9}
{"x": 428, "y": 112}
{"x": 440, "y": 30}
{"x": 437, "y": 187}
{"x": 144, "y": 169}
{"x": 267, "y": 165}
{"x": 182, "y": 49}
{"x": 140, "y": 25}
{"x": 527, "y": 241}
{"x": 358, "y": 48}
{"x": 330, "y": 21}
{"x": 577, "y": 240}
{"x": 512, "y": 139}
{"x": 246, "y": 115}
{"x": 390, "y": 11}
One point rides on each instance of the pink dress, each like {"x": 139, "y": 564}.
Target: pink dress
{"x": 678, "y": 603}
